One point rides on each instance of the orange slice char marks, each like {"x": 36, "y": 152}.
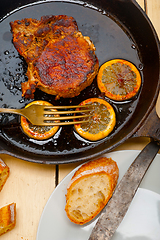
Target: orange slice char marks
{"x": 119, "y": 79}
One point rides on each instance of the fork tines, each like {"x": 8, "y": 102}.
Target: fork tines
{"x": 51, "y": 114}
{"x": 67, "y": 107}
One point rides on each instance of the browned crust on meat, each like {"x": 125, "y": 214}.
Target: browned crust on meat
{"x": 61, "y": 61}
{"x": 30, "y": 36}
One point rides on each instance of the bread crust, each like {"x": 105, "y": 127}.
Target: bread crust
{"x": 7, "y": 218}
{"x": 4, "y": 173}
{"x": 88, "y": 179}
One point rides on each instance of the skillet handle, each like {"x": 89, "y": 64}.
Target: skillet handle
{"x": 150, "y": 127}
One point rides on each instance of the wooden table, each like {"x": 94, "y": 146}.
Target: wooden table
{"x": 30, "y": 184}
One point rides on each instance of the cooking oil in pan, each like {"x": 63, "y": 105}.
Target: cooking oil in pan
{"x": 110, "y": 40}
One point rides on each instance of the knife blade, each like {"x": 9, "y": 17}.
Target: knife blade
{"x": 114, "y": 212}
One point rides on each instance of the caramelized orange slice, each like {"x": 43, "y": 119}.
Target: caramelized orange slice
{"x": 101, "y": 122}
{"x": 119, "y": 79}
{"x": 38, "y": 132}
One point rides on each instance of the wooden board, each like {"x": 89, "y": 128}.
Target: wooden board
{"x": 29, "y": 185}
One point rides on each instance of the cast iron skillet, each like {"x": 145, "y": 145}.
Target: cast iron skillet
{"x": 119, "y": 29}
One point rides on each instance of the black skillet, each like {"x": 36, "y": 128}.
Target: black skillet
{"x": 119, "y": 29}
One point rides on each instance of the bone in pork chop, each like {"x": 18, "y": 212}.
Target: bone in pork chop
{"x": 61, "y": 61}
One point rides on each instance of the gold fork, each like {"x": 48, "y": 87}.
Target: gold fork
{"x": 44, "y": 115}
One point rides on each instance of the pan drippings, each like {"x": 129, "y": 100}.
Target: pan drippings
{"x": 110, "y": 41}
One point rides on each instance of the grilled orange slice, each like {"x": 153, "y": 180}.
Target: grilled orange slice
{"x": 119, "y": 79}
{"x": 101, "y": 122}
{"x": 38, "y": 132}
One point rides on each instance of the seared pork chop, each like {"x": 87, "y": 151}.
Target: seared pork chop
{"x": 61, "y": 61}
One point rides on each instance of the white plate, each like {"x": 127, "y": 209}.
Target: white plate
{"x": 142, "y": 221}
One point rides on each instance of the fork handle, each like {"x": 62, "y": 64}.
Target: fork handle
{"x": 10, "y": 110}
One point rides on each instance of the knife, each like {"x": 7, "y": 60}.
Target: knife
{"x": 114, "y": 212}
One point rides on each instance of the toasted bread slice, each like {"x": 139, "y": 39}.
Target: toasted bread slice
{"x": 90, "y": 189}
{"x": 7, "y": 218}
{"x": 4, "y": 173}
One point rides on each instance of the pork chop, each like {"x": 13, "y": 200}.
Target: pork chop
{"x": 61, "y": 61}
